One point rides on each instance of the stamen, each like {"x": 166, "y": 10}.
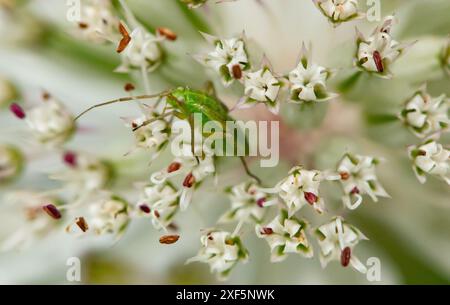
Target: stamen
{"x": 169, "y": 239}
{"x": 189, "y": 181}
{"x": 260, "y": 202}
{"x": 267, "y": 231}
{"x": 125, "y": 38}
{"x": 52, "y": 211}
{"x": 145, "y": 208}
{"x": 168, "y": 33}
{"x": 237, "y": 71}
{"x": 173, "y": 167}
{"x": 17, "y": 110}
{"x": 355, "y": 190}
{"x": 129, "y": 87}
{"x": 83, "y": 25}
{"x": 311, "y": 198}
{"x": 346, "y": 255}
{"x": 70, "y": 158}
{"x": 82, "y": 224}
{"x": 378, "y": 61}
{"x": 344, "y": 175}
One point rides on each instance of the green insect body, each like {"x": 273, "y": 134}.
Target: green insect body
{"x": 189, "y": 101}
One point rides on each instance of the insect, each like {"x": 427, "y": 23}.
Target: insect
{"x": 184, "y": 103}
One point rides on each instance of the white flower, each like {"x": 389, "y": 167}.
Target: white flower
{"x": 142, "y": 52}
{"x": 247, "y": 203}
{"x": 229, "y": 59}
{"x": 378, "y": 52}
{"x": 85, "y": 174}
{"x": 97, "y": 22}
{"x": 221, "y": 251}
{"x": 308, "y": 80}
{"x": 261, "y": 87}
{"x": 7, "y": 92}
{"x": 194, "y": 3}
{"x": 430, "y": 158}
{"x": 337, "y": 240}
{"x": 51, "y": 122}
{"x": 11, "y": 163}
{"x": 338, "y": 11}
{"x": 302, "y": 187}
{"x": 285, "y": 235}
{"x": 160, "y": 202}
{"x": 108, "y": 215}
{"x": 36, "y": 225}
{"x": 151, "y": 137}
{"x": 424, "y": 114}
{"x": 358, "y": 177}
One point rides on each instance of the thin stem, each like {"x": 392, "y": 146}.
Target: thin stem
{"x": 123, "y": 99}
{"x": 129, "y": 14}
{"x": 247, "y": 170}
{"x": 238, "y": 228}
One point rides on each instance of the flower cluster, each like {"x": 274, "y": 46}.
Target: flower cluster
{"x": 286, "y": 233}
{"x": 231, "y": 60}
{"x": 427, "y": 118}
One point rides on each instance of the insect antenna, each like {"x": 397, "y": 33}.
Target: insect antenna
{"x": 123, "y": 99}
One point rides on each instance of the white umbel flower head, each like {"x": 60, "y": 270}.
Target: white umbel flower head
{"x": 337, "y": 240}
{"x": 285, "y": 235}
{"x": 143, "y": 51}
{"x": 377, "y": 53}
{"x": 338, "y": 11}
{"x": 229, "y": 58}
{"x": 358, "y": 177}
{"x": 308, "y": 81}
{"x": 301, "y": 187}
{"x": 11, "y": 163}
{"x": 151, "y": 137}
{"x": 160, "y": 202}
{"x": 263, "y": 87}
{"x": 97, "y": 22}
{"x": 247, "y": 203}
{"x": 50, "y": 122}
{"x": 85, "y": 174}
{"x": 430, "y": 158}
{"x": 221, "y": 251}
{"x": 425, "y": 115}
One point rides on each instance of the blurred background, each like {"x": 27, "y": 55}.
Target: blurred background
{"x": 409, "y": 233}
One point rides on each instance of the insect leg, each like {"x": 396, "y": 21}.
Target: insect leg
{"x": 154, "y": 119}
